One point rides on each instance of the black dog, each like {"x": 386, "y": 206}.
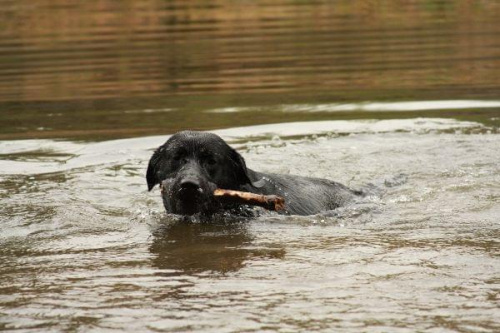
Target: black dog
{"x": 191, "y": 165}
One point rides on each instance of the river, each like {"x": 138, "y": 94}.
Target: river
{"x": 400, "y": 96}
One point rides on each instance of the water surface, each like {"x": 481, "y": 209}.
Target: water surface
{"x": 85, "y": 246}
{"x": 86, "y": 70}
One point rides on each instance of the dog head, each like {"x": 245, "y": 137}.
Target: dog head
{"x": 190, "y": 166}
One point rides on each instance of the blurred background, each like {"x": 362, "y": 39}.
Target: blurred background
{"x": 105, "y": 69}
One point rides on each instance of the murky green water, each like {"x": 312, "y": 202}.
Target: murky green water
{"x": 110, "y": 69}
{"x": 404, "y": 95}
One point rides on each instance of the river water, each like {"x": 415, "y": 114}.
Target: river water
{"x": 401, "y": 97}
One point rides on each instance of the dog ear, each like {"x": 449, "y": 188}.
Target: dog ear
{"x": 153, "y": 168}
{"x": 241, "y": 171}
{"x": 239, "y": 168}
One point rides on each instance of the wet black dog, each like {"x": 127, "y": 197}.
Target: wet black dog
{"x": 191, "y": 165}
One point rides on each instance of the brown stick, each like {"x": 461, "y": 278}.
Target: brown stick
{"x": 271, "y": 202}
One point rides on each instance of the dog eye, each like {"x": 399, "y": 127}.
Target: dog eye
{"x": 209, "y": 160}
{"x": 178, "y": 156}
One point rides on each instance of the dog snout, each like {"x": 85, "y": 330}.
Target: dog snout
{"x": 191, "y": 185}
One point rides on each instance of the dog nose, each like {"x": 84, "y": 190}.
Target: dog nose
{"x": 190, "y": 185}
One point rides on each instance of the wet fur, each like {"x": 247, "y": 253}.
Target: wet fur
{"x": 207, "y": 160}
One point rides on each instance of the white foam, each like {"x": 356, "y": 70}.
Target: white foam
{"x": 369, "y": 106}
{"x": 140, "y": 149}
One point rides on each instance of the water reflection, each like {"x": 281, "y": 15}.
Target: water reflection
{"x": 193, "y": 247}
{"x": 77, "y": 69}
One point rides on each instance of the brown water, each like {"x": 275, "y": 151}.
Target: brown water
{"x": 89, "y": 70}
{"x": 401, "y": 94}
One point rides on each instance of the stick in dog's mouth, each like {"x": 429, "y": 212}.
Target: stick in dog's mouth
{"x": 270, "y": 202}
